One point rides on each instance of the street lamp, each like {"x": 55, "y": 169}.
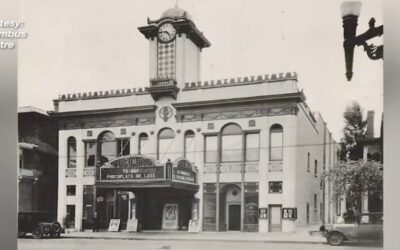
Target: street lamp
{"x": 350, "y": 13}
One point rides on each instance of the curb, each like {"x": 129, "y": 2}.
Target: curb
{"x": 192, "y": 239}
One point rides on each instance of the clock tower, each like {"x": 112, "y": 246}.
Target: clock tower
{"x": 175, "y": 52}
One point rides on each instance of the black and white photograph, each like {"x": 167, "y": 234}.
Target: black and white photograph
{"x": 186, "y": 124}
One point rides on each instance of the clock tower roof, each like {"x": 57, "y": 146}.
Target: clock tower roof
{"x": 176, "y": 13}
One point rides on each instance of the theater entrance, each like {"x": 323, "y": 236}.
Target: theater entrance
{"x": 155, "y": 208}
{"x": 162, "y": 195}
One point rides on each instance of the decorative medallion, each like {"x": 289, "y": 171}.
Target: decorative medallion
{"x": 210, "y": 125}
{"x": 165, "y": 113}
{"x": 252, "y": 123}
{"x": 89, "y": 133}
{"x": 123, "y": 131}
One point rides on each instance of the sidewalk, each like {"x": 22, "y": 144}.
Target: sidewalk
{"x": 300, "y": 236}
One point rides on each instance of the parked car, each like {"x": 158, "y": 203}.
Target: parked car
{"x": 39, "y": 224}
{"x": 366, "y": 227}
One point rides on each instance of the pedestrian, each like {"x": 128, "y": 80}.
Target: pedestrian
{"x": 95, "y": 222}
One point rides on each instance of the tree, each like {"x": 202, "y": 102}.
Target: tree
{"x": 354, "y": 179}
{"x": 354, "y": 130}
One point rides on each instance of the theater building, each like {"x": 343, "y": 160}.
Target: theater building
{"x": 244, "y": 153}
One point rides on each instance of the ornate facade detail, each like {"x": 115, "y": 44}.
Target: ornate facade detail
{"x": 230, "y": 167}
{"x": 251, "y": 167}
{"x": 258, "y": 112}
{"x": 70, "y": 172}
{"x": 210, "y": 168}
{"x": 275, "y": 166}
{"x": 210, "y": 125}
{"x": 89, "y": 133}
{"x": 252, "y": 123}
{"x": 88, "y": 172}
{"x": 108, "y": 123}
{"x": 165, "y": 113}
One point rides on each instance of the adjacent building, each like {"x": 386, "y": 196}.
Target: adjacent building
{"x": 244, "y": 153}
{"x": 38, "y": 161}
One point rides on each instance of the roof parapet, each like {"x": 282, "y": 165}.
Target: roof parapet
{"x": 101, "y": 94}
{"x": 241, "y": 81}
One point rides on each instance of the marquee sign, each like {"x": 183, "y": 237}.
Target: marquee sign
{"x": 133, "y": 173}
{"x": 130, "y": 168}
{"x": 183, "y": 171}
{"x": 133, "y": 161}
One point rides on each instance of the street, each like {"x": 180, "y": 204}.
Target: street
{"x": 100, "y": 244}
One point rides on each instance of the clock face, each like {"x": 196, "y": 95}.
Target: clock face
{"x": 166, "y": 32}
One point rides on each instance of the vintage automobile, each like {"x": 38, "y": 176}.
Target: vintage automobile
{"x": 365, "y": 227}
{"x": 39, "y": 224}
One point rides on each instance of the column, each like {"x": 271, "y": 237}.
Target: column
{"x": 289, "y": 168}
{"x": 263, "y": 173}
{"x": 80, "y": 163}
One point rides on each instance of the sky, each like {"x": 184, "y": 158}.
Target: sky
{"x": 90, "y": 45}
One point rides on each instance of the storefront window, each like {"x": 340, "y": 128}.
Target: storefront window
{"x": 276, "y": 143}
{"x": 71, "y": 155}
{"x": 143, "y": 144}
{"x": 165, "y": 141}
{"x": 211, "y": 148}
{"x": 232, "y": 143}
{"x": 252, "y": 147}
{"x": 189, "y": 145}
{"x": 90, "y": 153}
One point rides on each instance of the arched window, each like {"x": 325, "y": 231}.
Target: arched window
{"x": 189, "y": 145}
{"x": 276, "y": 143}
{"x": 143, "y": 144}
{"x": 71, "y": 152}
{"x": 165, "y": 140}
{"x": 108, "y": 147}
{"x": 232, "y": 146}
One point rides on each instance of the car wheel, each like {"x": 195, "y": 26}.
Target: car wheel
{"x": 37, "y": 233}
{"x": 55, "y": 230}
{"x": 335, "y": 238}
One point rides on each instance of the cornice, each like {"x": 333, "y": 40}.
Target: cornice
{"x": 137, "y": 109}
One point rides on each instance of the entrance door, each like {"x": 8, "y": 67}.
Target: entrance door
{"x": 275, "y": 221}
{"x": 234, "y": 217}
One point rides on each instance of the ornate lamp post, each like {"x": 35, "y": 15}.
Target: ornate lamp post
{"x": 350, "y": 13}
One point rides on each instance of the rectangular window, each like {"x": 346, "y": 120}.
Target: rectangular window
{"x": 231, "y": 148}
{"x": 71, "y": 190}
{"x": 123, "y": 147}
{"x": 252, "y": 147}
{"x": 211, "y": 148}
{"x": 315, "y": 201}
{"x": 315, "y": 168}
{"x": 308, "y": 162}
{"x": 320, "y": 211}
{"x": 275, "y": 187}
{"x": 90, "y": 153}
